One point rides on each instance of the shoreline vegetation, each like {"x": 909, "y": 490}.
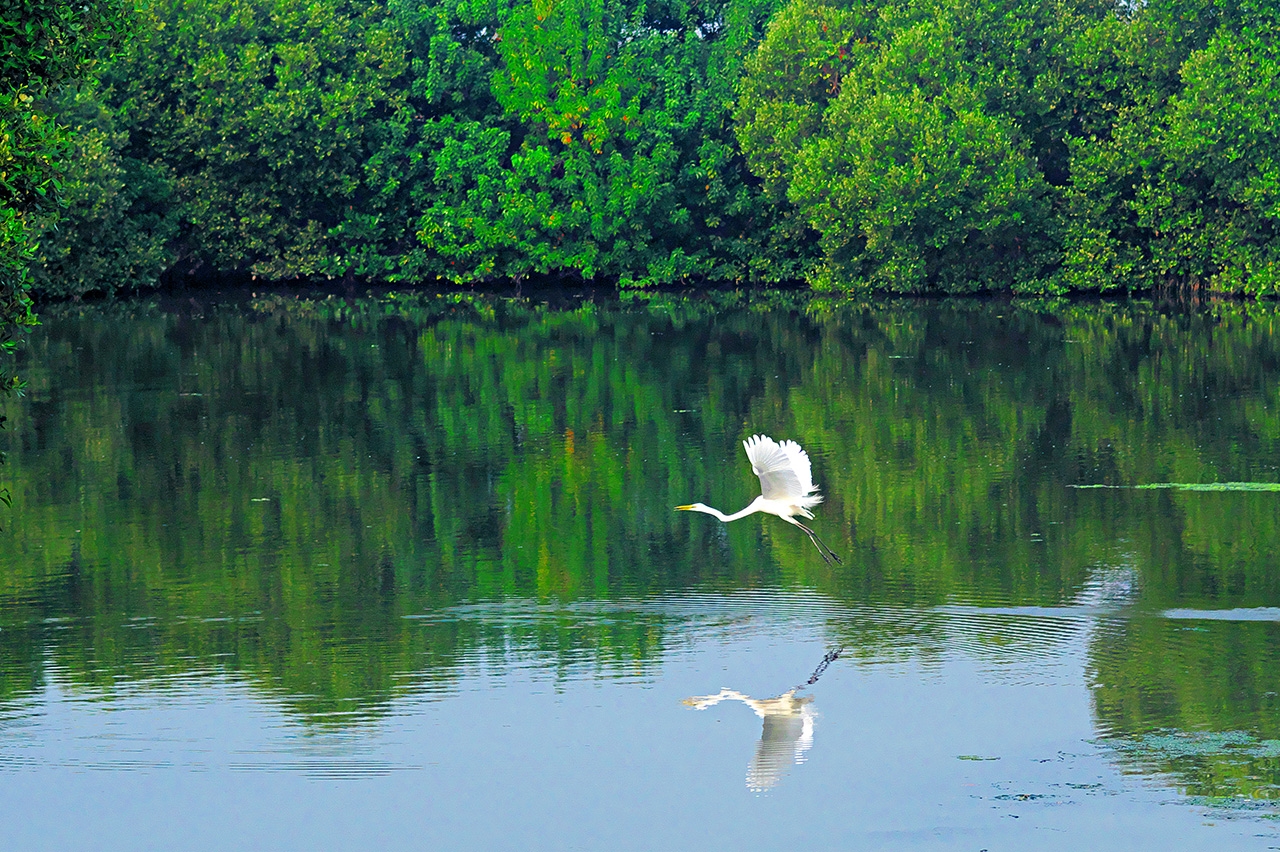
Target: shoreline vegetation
{"x": 892, "y": 147}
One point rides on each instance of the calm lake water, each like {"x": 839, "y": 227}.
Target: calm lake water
{"x": 403, "y": 572}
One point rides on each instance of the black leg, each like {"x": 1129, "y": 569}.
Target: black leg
{"x": 828, "y": 555}
{"x": 821, "y": 552}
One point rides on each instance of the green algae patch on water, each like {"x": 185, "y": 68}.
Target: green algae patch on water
{"x": 1191, "y": 486}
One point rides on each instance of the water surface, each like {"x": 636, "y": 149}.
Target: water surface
{"x": 404, "y": 571}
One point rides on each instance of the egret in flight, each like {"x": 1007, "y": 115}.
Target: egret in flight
{"x": 786, "y": 483}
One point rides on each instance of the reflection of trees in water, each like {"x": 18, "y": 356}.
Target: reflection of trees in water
{"x": 280, "y": 490}
{"x": 785, "y": 738}
{"x": 1197, "y": 699}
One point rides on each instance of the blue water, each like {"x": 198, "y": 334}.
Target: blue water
{"x": 963, "y": 746}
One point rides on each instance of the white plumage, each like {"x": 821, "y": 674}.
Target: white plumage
{"x": 786, "y": 487}
{"x": 785, "y": 472}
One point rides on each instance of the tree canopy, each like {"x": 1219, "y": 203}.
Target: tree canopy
{"x": 1038, "y": 146}
{"x": 45, "y": 44}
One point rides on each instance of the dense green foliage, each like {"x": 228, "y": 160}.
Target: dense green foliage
{"x": 900, "y": 145}
{"x": 400, "y": 142}
{"x": 42, "y": 45}
{"x": 116, "y": 221}
{"x": 952, "y": 145}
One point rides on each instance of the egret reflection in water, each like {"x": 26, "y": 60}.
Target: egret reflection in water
{"x": 785, "y": 738}
{"x": 786, "y": 485}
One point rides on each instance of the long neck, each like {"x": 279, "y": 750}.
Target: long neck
{"x": 751, "y": 509}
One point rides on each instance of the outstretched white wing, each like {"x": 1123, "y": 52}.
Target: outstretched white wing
{"x": 784, "y": 469}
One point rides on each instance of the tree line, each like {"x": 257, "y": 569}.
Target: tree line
{"x": 950, "y": 146}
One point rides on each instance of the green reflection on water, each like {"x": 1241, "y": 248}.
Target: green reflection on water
{"x": 1195, "y": 699}
{"x": 281, "y": 488}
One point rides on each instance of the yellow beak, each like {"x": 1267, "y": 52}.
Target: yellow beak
{"x": 683, "y": 508}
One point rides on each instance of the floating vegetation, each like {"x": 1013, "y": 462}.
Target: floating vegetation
{"x": 1220, "y": 769}
{"x": 1192, "y": 486}
{"x": 1255, "y": 613}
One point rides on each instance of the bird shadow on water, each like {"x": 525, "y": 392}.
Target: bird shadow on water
{"x": 787, "y": 731}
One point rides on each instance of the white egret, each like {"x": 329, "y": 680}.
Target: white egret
{"x": 786, "y": 485}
